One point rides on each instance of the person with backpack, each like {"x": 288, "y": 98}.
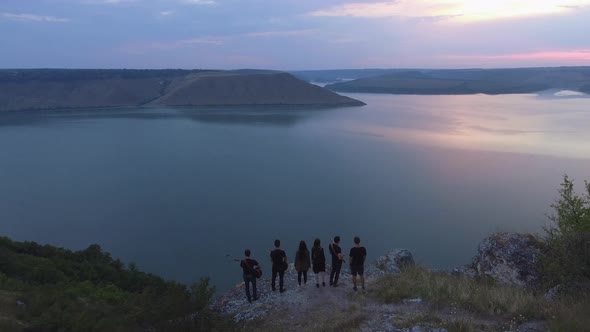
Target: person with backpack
{"x": 357, "y": 262}
{"x": 302, "y": 263}
{"x": 279, "y": 266}
{"x": 337, "y": 259}
{"x": 249, "y": 267}
{"x": 318, "y": 261}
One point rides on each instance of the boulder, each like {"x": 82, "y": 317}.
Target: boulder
{"x": 509, "y": 259}
{"x": 395, "y": 261}
{"x": 553, "y": 293}
{"x": 580, "y": 289}
{"x": 466, "y": 271}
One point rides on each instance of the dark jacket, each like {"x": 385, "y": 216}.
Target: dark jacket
{"x": 302, "y": 261}
{"x": 248, "y": 265}
{"x": 318, "y": 259}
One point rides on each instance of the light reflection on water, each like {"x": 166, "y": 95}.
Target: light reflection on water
{"x": 507, "y": 123}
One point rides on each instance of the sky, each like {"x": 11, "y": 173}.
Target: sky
{"x": 293, "y": 34}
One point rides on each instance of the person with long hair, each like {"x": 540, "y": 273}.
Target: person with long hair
{"x": 302, "y": 262}
{"x": 318, "y": 262}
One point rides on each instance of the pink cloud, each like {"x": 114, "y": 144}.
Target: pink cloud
{"x": 565, "y": 56}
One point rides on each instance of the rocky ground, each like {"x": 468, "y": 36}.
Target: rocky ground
{"x": 309, "y": 308}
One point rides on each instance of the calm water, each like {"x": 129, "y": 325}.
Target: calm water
{"x": 175, "y": 190}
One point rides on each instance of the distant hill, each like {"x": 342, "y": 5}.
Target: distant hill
{"x": 62, "y": 88}
{"x": 471, "y": 81}
{"x": 339, "y": 75}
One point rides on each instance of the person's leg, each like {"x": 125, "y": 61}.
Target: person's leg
{"x": 362, "y": 273}
{"x": 337, "y": 274}
{"x": 281, "y": 280}
{"x": 254, "y": 294}
{"x": 247, "y": 284}
{"x": 317, "y": 279}
{"x": 354, "y": 271}
{"x": 299, "y": 277}
{"x": 332, "y": 273}
{"x": 274, "y": 278}
{"x": 305, "y": 277}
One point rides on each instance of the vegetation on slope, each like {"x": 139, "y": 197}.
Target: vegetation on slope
{"x": 513, "y": 305}
{"x": 45, "y": 288}
{"x": 566, "y": 255}
{"x": 565, "y": 262}
{"x": 471, "y": 81}
{"x": 62, "y": 89}
{"x": 26, "y": 75}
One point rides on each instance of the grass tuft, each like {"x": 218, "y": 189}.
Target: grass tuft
{"x": 443, "y": 290}
{"x": 514, "y": 304}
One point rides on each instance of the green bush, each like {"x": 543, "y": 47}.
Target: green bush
{"x": 566, "y": 254}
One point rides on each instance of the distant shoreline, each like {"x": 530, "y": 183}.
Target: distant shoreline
{"x": 195, "y": 107}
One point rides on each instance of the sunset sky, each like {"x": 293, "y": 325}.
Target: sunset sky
{"x": 293, "y": 34}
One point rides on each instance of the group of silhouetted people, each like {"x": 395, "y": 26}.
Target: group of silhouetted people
{"x": 304, "y": 260}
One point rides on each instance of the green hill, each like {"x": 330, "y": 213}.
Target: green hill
{"x": 45, "y": 288}
{"x": 471, "y": 81}
{"x": 61, "y": 88}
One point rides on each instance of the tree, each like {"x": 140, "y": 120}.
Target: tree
{"x": 572, "y": 212}
{"x": 566, "y": 255}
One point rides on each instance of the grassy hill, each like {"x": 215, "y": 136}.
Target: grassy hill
{"x": 45, "y": 288}
{"x": 61, "y": 88}
{"x": 471, "y": 81}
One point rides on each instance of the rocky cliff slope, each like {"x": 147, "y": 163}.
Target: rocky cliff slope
{"x": 401, "y": 296}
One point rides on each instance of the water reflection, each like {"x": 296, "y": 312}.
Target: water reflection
{"x": 508, "y": 123}
{"x": 282, "y": 116}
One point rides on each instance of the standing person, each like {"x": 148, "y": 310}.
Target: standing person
{"x": 318, "y": 261}
{"x": 302, "y": 262}
{"x": 336, "y": 253}
{"x": 279, "y": 265}
{"x": 248, "y": 265}
{"x": 357, "y": 262}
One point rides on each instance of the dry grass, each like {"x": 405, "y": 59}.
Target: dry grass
{"x": 513, "y": 304}
{"x": 344, "y": 322}
{"x": 444, "y": 290}
{"x": 433, "y": 321}
{"x": 569, "y": 314}
{"x": 9, "y": 312}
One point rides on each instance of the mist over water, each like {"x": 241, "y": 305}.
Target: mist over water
{"x": 176, "y": 190}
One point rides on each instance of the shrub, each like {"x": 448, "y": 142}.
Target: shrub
{"x": 566, "y": 254}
